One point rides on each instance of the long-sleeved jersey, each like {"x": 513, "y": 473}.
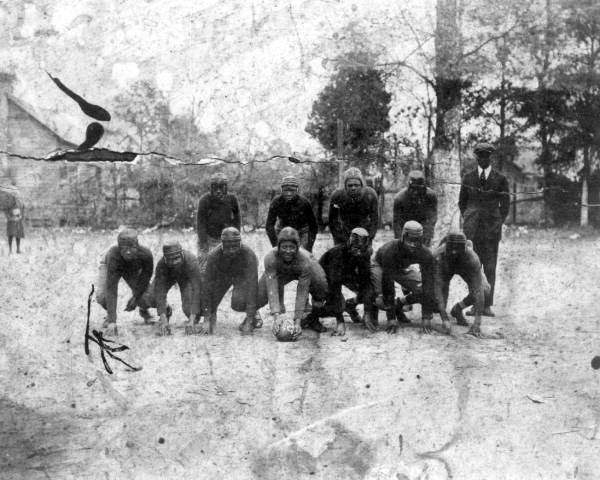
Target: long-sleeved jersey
{"x": 240, "y": 270}
{"x": 137, "y": 272}
{"x": 393, "y": 258}
{"x": 297, "y": 213}
{"x": 346, "y": 213}
{"x": 186, "y": 274}
{"x": 214, "y": 215}
{"x": 301, "y": 269}
{"x": 420, "y": 208}
{"x": 468, "y": 267}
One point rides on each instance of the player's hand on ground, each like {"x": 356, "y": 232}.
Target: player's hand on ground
{"x": 426, "y": 325}
{"x": 297, "y": 331}
{"x": 379, "y": 303}
{"x": 475, "y": 330}
{"x": 340, "y": 329}
{"x": 109, "y": 329}
{"x": 247, "y": 326}
{"x": 163, "y": 326}
{"x": 392, "y": 326}
{"x": 189, "y": 325}
{"x": 446, "y": 329}
{"x": 131, "y": 304}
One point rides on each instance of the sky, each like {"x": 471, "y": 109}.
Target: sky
{"x": 251, "y": 68}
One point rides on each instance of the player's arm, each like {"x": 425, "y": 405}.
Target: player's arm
{"x": 272, "y": 283}
{"x": 201, "y": 222}
{"x": 251, "y": 282}
{"x": 398, "y": 219}
{"x": 270, "y": 225}
{"x": 313, "y": 227}
{"x": 504, "y": 199}
{"x": 373, "y": 215}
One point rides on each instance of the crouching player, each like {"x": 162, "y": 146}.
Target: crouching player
{"x": 231, "y": 264}
{"x": 455, "y": 256}
{"x": 181, "y": 267}
{"x": 285, "y": 263}
{"x": 391, "y": 264}
{"x": 133, "y": 263}
{"x": 347, "y": 264}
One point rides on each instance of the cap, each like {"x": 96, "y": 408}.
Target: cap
{"x": 484, "y": 147}
{"x": 127, "y": 238}
{"x": 172, "y": 249}
{"x": 290, "y": 181}
{"x": 230, "y": 234}
{"x": 218, "y": 178}
{"x": 457, "y": 237}
{"x": 359, "y": 232}
{"x": 288, "y": 234}
{"x": 412, "y": 229}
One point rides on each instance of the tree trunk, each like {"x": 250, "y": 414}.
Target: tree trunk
{"x": 445, "y": 160}
{"x": 584, "y": 220}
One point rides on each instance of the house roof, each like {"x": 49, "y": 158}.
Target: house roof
{"x": 30, "y": 111}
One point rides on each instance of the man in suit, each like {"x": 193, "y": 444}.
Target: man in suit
{"x": 484, "y": 203}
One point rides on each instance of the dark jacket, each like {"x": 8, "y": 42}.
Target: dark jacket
{"x": 241, "y": 269}
{"x": 346, "y": 214}
{"x": 420, "y": 208}
{"x": 214, "y": 215}
{"x": 484, "y": 209}
{"x": 184, "y": 275}
{"x": 117, "y": 268}
{"x": 392, "y": 259}
{"x": 296, "y": 213}
{"x": 468, "y": 267}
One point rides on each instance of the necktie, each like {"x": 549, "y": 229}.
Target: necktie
{"x": 482, "y": 178}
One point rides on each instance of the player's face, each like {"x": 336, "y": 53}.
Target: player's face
{"x": 219, "y": 190}
{"x": 174, "y": 260}
{"x": 288, "y": 250}
{"x": 353, "y": 187}
{"x": 288, "y": 192}
{"x": 483, "y": 159}
{"x": 231, "y": 248}
{"x": 127, "y": 252}
{"x": 358, "y": 245}
{"x": 412, "y": 244}
{"x": 416, "y": 188}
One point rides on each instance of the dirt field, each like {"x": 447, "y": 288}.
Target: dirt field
{"x": 522, "y": 403}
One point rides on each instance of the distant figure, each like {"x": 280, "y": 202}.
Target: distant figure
{"x": 289, "y": 209}
{"x": 352, "y": 205}
{"x": 14, "y": 225}
{"x": 416, "y": 202}
{"x": 484, "y": 203}
{"x": 217, "y": 210}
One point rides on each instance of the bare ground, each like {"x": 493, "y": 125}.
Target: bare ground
{"x": 521, "y": 403}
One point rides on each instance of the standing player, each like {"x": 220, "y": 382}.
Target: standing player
{"x": 133, "y": 263}
{"x": 217, "y": 210}
{"x": 391, "y": 264}
{"x": 353, "y": 205}
{"x": 289, "y": 209}
{"x": 285, "y": 263}
{"x": 231, "y": 264}
{"x": 346, "y": 265}
{"x": 178, "y": 266}
{"x": 455, "y": 256}
{"x": 484, "y": 203}
{"x": 416, "y": 202}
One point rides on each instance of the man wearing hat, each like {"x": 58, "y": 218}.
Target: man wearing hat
{"x": 484, "y": 203}
{"x": 178, "y": 266}
{"x": 455, "y": 256}
{"x": 391, "y": 264}
{"x": 289, "y": 209}
{"x": 416, "y": 202}
{"x": 217, "y": 210}
{"x": 346, "y": 265}
{"x": 353, "y": 205}
{"x": 133, "y": 263}
{"x": 285, "y": 263}
{"x": 232, "y": 264}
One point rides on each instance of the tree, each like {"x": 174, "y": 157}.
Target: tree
{"x": 357, "y": 96}
{"x": 145, "y": 108}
